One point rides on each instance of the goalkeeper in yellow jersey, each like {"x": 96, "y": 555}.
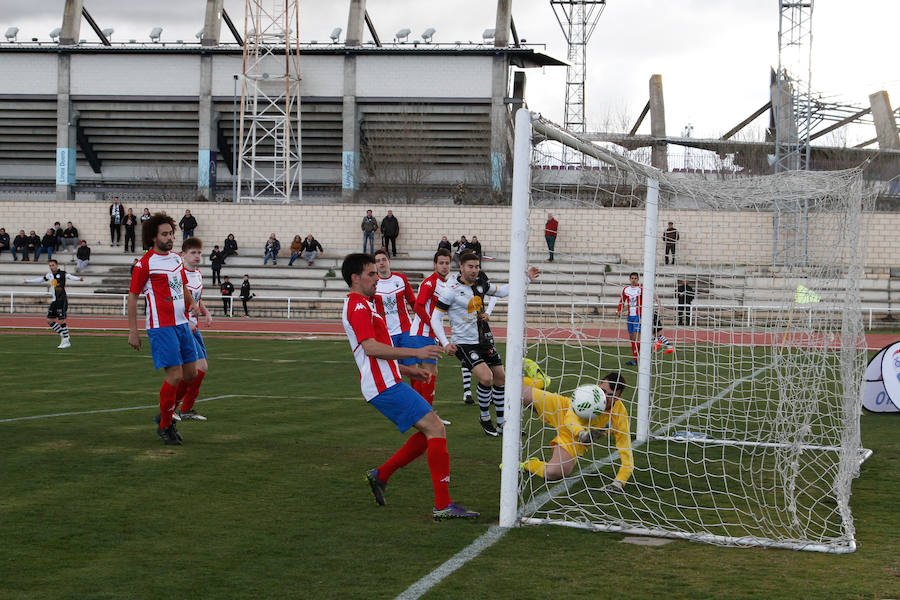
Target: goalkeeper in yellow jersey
{"x": 574, "y": 434}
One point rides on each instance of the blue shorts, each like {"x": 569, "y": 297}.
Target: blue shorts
{"x": 416, "y": 341}
{"x": 634, "y": 323}
{"x": 172, "y": 346}
{"x": 402, "y": 405}
{"x": 201, "y": 347}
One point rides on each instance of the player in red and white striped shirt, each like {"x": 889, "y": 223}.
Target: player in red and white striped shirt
{"x": 159, "y": 275}
{"x": 382, "y": 388}
{"x": 192, "y": 255}
{"x": 392, "y": 293}
{"x": 420, "y": 334}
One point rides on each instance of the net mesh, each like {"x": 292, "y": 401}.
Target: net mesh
{"x": 754, "y": 414}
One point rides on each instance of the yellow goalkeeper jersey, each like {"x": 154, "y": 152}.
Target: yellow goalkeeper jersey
{"x": 555, "y": 410}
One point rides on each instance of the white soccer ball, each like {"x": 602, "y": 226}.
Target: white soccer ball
{"x": 588, "y": 401}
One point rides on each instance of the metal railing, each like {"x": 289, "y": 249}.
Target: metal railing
{"x": 300, "y": 307}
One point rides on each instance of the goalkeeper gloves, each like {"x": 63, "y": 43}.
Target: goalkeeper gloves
{"x": 588, "y": 436}
{"x": 615, "y": 487}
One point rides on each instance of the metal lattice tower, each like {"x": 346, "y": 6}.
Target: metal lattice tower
{"x": 578, "y": 19}
{"x": 270, "y": 165}
{"x": 793, "y": 107}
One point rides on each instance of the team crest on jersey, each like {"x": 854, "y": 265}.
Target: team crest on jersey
{"x": 473, "y": 355}
{"x": 390, "y": 302}
{"x": 479, "y": 289}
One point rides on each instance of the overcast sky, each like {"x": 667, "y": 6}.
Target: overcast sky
{"x": 714, "y": 55}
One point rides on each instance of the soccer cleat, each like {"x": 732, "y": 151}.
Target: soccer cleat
{"x": 175, "y": 418}
{"x": 453, "y": 511}
{"x": 190, "y": 415}
{"x": 669, "y": 350}
{"x": 169, "y": 435}
{"x": 445, "y": 421}
{"x": 467, "y": 398}
{"x": 377, "y": 486}
{"x": 65, "y": 343}
{"x": 488, "y": 427}
{"x": 657, "y": 345}
{"x": 631, "y": 363}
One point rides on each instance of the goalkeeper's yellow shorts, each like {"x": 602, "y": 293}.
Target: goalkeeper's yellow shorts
{"x": 554, "y": 410}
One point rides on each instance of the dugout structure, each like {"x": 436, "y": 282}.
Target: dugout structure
{"x": 746, "y": 435}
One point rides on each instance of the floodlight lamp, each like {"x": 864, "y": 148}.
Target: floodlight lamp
{"x": 428, "y": 34}
{"x": 155, "y": 34}
{"x": 11, "y": 34}
{"x": 54, "y": 35}
{"x": 335, "y": 34}
{"x": 402, "y": 34}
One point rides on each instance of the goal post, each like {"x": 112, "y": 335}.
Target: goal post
{"x": 744, "y": 407}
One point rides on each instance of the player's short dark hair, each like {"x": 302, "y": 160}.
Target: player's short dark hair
{"x": 52, "y": 260}
{"x": 616, "y": 382}
{"x": 151, "y": 227}
{"x": 353, "y": 265}
{"x": 634, "y": 273}
{"x": 227, "y": 276}
{"x": 191, "y": 243}
{"x": 381, "y": 251}
{"x": 467, "y": 256}
{"x": 441, "y": 252}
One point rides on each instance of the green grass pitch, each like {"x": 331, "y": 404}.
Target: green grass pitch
{"x": 267, "y": 498}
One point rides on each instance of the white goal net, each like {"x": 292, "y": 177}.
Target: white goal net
{"x": 744, "y": 414}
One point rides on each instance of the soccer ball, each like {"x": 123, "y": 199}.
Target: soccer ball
{"x": 531, "y": 370}
{"x": 588, "y": 401}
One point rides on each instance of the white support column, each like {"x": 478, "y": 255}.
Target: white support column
{"x": 515, "y": 327}
{"x": 648, "y": 303}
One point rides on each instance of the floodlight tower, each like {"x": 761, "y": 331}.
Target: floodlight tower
{"x": 792, "y": 105}
{"x": 269, "y": 168}
{"x": 577, "y": 19}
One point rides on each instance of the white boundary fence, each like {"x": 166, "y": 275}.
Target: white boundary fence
{"x": 295, "y": 307}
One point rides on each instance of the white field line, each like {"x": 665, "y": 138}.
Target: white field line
{"x": 495, "y": 533}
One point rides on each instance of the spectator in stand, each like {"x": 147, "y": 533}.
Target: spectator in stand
{"x": 310, "y": 249}
{"x": 474, "y": 246}
{"x": 390, "y": 229}
{"x": 460, "y": 246}
{"x": 187, "y": 224}
{"x": 83, "y": 257}
{"x": 684, "y": 295}
{"x": 33, "y": 243}
{"x": 116, "y": 216}
{"x": 670, "y": 237}
{"x": 20, "y": 244}
{"x": 70, "y": 236}
{"x": 130, "y": 222}
{"x": 57, "y": 234}
{"x": 47, "y": 245}
{"x": 295, "y": 249}
{"x": 230, "y": 248}
{"x": 246, "y": 294}
{"x": 215, "y": 261}
{"x": 145, "y": 216}
{"x": 369, "y": 226}
{"x": 4, "y": 240}
{"x": 271, "y": 250}
{"x": 550, "y": 229}
{"x": 444, "y": 244}
{"x": 226, "y": 289}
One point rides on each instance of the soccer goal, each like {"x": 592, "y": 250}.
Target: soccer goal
{"x": 747, "y": 432}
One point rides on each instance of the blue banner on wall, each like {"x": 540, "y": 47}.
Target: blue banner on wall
{"x": 65, "y": 166}
{"x": 206, "y": 168}
{"x": 349, "y": 170}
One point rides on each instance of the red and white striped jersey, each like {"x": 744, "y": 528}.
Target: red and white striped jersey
{"x": 361, "y": 322}
{"x": 631, "y": 296}
{"x": 161, "y": 278}
{"x": 195, "y": 287}
{"x": 390, "y": 295}
{"x": 429, "y": 292}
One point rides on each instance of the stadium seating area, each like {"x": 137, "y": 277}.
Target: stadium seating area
{"x": 317, "y": 291}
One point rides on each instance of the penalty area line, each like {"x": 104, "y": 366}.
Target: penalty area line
{"x": 127, "y": 408}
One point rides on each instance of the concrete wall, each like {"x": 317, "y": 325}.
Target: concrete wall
{"x": 705, "y": 237}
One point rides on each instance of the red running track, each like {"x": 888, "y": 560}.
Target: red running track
{"x": 295, "y": 327}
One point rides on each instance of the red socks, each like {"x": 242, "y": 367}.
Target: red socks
{"x": 413, "y": 448}
{"x": 426, "y": 389}
{"x": 167, "y": 398}
{"x": 635, "y": 349}
{"x": 192, "y": 391}
{"x": 439, "y": 465}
